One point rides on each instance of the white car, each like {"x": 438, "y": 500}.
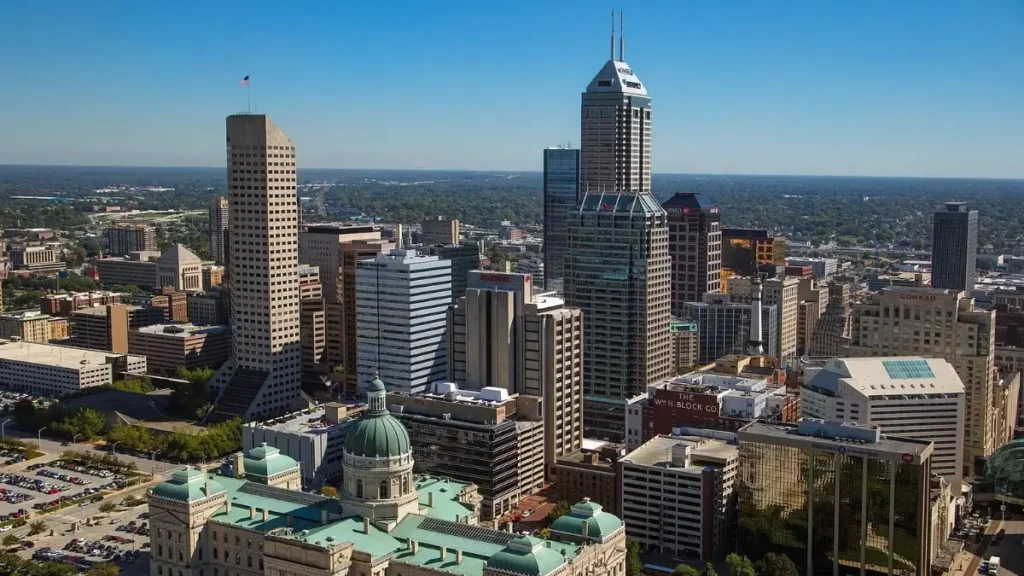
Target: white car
{"x": 5, "y": 528}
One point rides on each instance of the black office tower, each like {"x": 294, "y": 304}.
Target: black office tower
{"x": 561, "y": 184}
{"x": 955, "y": 247}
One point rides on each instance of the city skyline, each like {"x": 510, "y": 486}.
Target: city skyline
{"x": 754, "y": 89}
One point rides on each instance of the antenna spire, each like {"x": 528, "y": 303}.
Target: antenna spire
{"x": 612, "y": 46}
{"x": 622, "y": 39}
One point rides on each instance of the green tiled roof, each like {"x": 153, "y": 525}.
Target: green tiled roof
{"x": 377, "y": 435}
{"x": 446, "y": 498}
{"x": 599, "y": 524}
{"x": 527, "y": 555}
{"x": 187, "y": 485}
{"x": 265, "y": 461}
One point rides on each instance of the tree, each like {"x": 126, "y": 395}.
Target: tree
{"x": 776, "y": 565}
{"x": 11, "y": 540}
{"x": 684, "y": 570}
{"x": 105, "y": 569}
{"x": 708, "y": 570}
{"x": 634, "y": 566}
{"x": 739, "y": 565}
{"x": 108, "y": 507}
{"x": 329, "y": 491}
{"x": 37, "y": 527}
{"x": 561, "y": 509}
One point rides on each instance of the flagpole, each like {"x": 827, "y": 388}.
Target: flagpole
{"x": 248, "y": 95}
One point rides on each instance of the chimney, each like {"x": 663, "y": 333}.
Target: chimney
{"x": 227, "y": 506}
{"x": 458, "y": 556}
{"x": 323, "y": 516}
{"x": 366, "y": 525}
{"x": 207, "y": 489}
{"x": 509, "y": 526}
{"x": 414, "y": 546}
{"x": 266, "y": 515}
{"x": 444, "y": 553}
{"x": 239, "y": 465}
{"x": 252, "y": 513}
{"x": 430, "y": 499}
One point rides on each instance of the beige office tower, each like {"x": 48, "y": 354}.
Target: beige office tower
{"x": 439, "y": 230}
{"x": 784, "y": 294}
{"x": 218, "y": 225}
{"x": 262, "y": 378}
{"x": 503, "y": 335}
{"x": 312, "y": 323}
{"x": 813, "y": 301}
{"x": 944, "y": 324}
{"x": 336, "y": 250}
{"x": 832, "y": 330}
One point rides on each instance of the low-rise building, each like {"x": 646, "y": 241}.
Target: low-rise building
{"x": 136, "y": 269}
{"x": 593, "y": 472}
{"x": 168, "y": 347}
{"x": 65, "y": 304}
{"x": 27, "y": 325}
{"x": 207, "y": 308}
{"x": 106, "y": 327}
{"x": 213, "y": 276}
{"x": 678, "y": 496}
{"x": 36, "y": 258}
{"x": 820, "y": 267}
{"x": 47, "y": 370}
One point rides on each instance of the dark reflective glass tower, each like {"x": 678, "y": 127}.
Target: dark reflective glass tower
{"x": 561, "y": 185}
{"x": 955, "y": 247}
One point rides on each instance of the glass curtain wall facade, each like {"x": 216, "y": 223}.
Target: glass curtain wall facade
{"x": 863, "y": 513}
{"x": 561, "y": 187}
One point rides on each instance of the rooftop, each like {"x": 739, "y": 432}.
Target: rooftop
{"x": 52, "y": 355}
{"x": 24, "y": 315}
{"x": 894, "y": 449}
{"x": 886, "y": 376}
{"x": 614, "y": 203}
{"x": 689, "y": 201}
{"x": 618, "y": 78}
{"x": 658, "y": 452}
{"x": 313, "y": 421}
{"x": 183, "y": 330}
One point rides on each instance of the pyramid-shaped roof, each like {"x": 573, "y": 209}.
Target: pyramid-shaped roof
{"x": 617, "y": 77}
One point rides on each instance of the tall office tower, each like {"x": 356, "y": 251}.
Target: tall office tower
{"x": 402, "y": 301}
{"x": 695, "y": 245}
{"x": 218, "y": 225}
{"x": 955, "y": 247}
{"x": 336, "y": 250}
{"x": 615, "y": 122}
{"x": 502, "y": 335}
{"x": 943, "y": 324}
{"x": 832, "y": 331}
{"x": 906, "y": 396}
{"x": 123, "y": 239}
{"x": 561, "y": 186}
{"x": 798, "y": 485}
{"x": 313, "y": 325}
{"x": 813, "y": 300}
{"x": 617, "y": 274}
{"x": 784, "y": 294}
{"x": 724, "y": 326}
{"x": 263, "y": 377}
{"x": 439, "y": 230}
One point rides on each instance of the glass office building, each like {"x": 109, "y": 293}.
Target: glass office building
{"x": 836, "y": 498}
{"x": 561, "y": 185}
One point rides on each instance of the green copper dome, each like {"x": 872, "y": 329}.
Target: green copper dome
{"x": 599, "y": 524}
{"x": 378, "y": 434}
{"x": 1005, "y": 470}
{"x": 526, "y": 555}
{"x": 266, "y": 461}
{"x": 188, "y": 485}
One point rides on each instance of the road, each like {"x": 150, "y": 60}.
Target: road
{"x": 1010, "y": 550}
{"x": 55, "y": 448}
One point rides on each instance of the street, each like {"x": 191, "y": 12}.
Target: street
{"x": 54, "y": 448}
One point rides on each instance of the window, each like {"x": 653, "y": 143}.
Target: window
{"x": 359, "y": 488}
{"x": 214, "y": 553}
{"x": 384, "y": 489}
{"x": 159, "y": 569}
{"x": 238, "y": 559}
{"x": 159, "y": 550}
{"x": 248, "y": 561}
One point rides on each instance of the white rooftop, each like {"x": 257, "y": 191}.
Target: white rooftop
{"x": 889, "y": 375}
{"x": 52, "y": 355}
{"x": 182, "y": 330}
{"x": 618, "y": 78}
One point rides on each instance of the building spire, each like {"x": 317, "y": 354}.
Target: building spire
{"x": 612, "y": 46}
{"x": 754, "y": 347}
{"x": 622, "y": 39}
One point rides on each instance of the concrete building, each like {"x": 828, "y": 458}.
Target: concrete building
{"x": 36, "y": 258}
{"x": 744, "y": 250}
{"x": 679, "y": 494}
{"x": 27, "y": 325}
{"x": 206, "y": 308}
{"x": 685, "y": 345}
{"x": 168, "y": 347}
{"x": 489, "y": 437}
{"x": 594, "y": 472}
{"x": 439, "y": 230}
{"x": 180, "y": 269}
{"x": 336, "y": 250}
{"x": 387, "y": 522}
{"x": 796, "y": 484}
{"x": 500, "y": 334}
{"x": 955, "y": 247}
{"x": 464, "y": 258}
{"x": 820, "y": 267}
{"x": 136, "y": 269}
{"x": 534, "y": 266}
{"x": 561, "y": 187}
{"x": 47, "y": 370}
{"x": 315, "y": 438}
{"x": 218, "y": 226}
{"x": 784, "y": 294}
{"x": 313, "y": 323}
{"x": 905, "y": 396}
{"x": 832, "y": 330}
{"x": 65, "y": 304}
{"x": 402, "y": 300}
{"x": 944, "y": 324}
{"x": 262, "y": 377}
{"x": 213, "y": 276}
{"x": 813, "y": 298}
{"x": 59, "y": 328}
{"x": 123, "y": 238}
{"x": 713, "y": 399}
{"x": 723, "y": 327}
{"x": 695, "y": 246}
{"x": 106, "y": 327}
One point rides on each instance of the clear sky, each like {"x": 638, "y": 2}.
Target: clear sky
{"x": 865, "y": 87}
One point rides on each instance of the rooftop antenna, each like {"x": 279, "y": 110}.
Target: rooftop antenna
{"x": 612, "y": 47}
{"x": 622, "y": 39}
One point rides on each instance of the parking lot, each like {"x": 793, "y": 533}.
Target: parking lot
{"x": 52, "y": 484}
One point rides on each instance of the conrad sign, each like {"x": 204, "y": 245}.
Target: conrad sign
{"x": 918, "y": 297}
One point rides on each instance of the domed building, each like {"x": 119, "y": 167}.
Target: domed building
{"x": 1005, "y": 470}
{"x": 387, "y": 520}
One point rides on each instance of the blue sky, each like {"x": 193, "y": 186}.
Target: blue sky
{"x": 866, "y": 87}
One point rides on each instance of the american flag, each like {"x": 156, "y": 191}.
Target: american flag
{"x": 244, "y": 81}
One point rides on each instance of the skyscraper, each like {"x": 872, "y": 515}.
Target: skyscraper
{"x": 263, "y": 375}
{"x": 955, "y": 247}
{"x": 218, "y": 224}
{"x": 561, "y": 186}
{"x": 617, "y": 268}
{"x": 695, "y": 245}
